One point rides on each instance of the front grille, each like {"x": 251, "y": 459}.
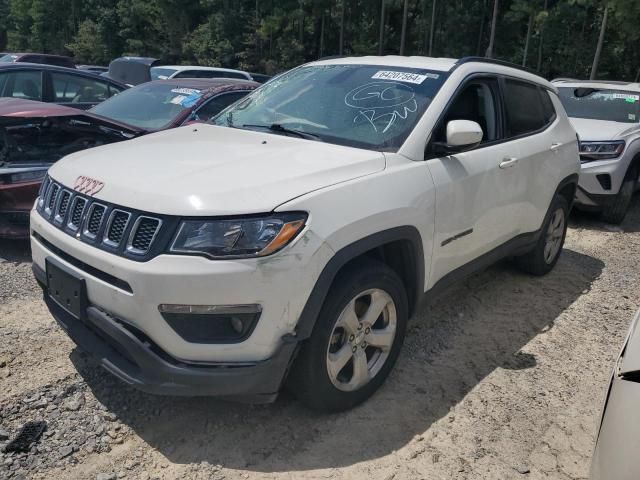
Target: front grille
{"x": 126, "y": 232}
{"x": 144, "y": 234}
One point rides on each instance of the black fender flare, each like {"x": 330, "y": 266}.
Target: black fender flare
{"x": 316, "y": 299}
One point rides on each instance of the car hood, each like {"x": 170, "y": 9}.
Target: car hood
{"x": 596, "y": 130}
{"x": 209, "y": 170}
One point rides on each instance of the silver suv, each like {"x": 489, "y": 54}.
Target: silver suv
{"x": 606, "y": 116}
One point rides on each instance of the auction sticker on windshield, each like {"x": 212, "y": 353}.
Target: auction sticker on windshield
{"x": 627, "y": 97}
{"x": 404, "y": 76}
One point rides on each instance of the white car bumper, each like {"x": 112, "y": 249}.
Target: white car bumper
{"x": 131, "y": 292}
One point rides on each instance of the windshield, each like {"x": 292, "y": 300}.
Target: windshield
{"x": 159, "y": 73}
{"x": 600, "y": 104}
{"x": 363, "y": 106}
{"x": 151, "y": 106}
{"x": 8, "y": 58}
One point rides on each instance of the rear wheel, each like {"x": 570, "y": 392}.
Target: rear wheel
{"x": 356, "y": 339}
{"x": 616, "y": 212}
{"x": 543, "y": 257}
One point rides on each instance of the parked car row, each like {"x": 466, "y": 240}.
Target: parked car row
{"x": 34, "y": 135}
{"x": 159, "y": 72}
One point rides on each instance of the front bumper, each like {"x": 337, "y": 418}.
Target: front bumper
{"x": 600, "y": 182}
{"x": 592, "y": 202}
{"x": 134, "y": 359}
{"x": 14, "y": 224}
{"x": 16, "y": 201}
{"x": 280, "y": 284}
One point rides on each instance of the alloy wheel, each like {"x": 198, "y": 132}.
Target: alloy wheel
{"x": 361, "y": 339}
{"x": 554, "y": 235}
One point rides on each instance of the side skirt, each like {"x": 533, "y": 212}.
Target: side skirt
{"x": 516, "y": 246}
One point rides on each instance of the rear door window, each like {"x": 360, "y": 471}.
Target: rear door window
{"x": 75, "y": 89}
{"x": 524, "y": 105}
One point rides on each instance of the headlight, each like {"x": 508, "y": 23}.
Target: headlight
{"x": 590, "y": 151}
{"x": 238, "y": 238}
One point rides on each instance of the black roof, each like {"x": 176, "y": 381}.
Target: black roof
{"x": 55, "y": 68}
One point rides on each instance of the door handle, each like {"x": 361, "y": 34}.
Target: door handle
{"x": 508, "y": 162}
{"x": 555, "y": 146}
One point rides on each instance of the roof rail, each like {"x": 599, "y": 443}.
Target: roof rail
{"x": 495, "y": 62}
{"x": 564, "y": 79}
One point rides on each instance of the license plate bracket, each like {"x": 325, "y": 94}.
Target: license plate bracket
{"x": 67, "y": 289}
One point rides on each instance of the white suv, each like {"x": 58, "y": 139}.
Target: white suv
{"x": 606, "y": 116}
{"x": 291, "y": 240}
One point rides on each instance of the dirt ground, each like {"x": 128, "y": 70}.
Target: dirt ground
{"x": 502, "y": 377}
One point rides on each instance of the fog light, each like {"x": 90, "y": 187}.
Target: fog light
{"x": 236, "y": 323}
{"x": 211, "y": 323}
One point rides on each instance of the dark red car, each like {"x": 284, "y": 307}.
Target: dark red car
{"x": 34, "y": 135}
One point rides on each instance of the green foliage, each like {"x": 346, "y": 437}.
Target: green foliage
{"x": 272, "y": 35}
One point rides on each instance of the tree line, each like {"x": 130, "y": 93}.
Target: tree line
{"x": 570, "y": 38}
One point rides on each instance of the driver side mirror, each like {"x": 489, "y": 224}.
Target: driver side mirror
{"x": 462, "y": 135}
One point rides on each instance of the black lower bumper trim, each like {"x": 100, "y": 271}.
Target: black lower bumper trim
{"x": 601, "y": 201}
{"x": 135, "y": 362}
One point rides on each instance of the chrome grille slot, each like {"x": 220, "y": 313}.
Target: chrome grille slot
{"x": 43, "y": 191}
{"x": 51, "y": 198}
{"x": 95, "y": 216}
{"x": 143, "y": 234}
{"x": 77, "y": 207}
{"x": 116, "y": 226}
{"x": 62, "y": 206}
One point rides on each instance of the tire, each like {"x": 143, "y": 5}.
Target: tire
{"x": 544, "y": 256}
{"x": 338, "y": 333}
{"x": 616, "y": 212}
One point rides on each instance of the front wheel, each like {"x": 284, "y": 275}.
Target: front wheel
{"x": 356, "y": 339}
{"x": 543, "y": 257}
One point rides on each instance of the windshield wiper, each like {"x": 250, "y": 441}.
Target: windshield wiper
{"x": 278, "y": 128}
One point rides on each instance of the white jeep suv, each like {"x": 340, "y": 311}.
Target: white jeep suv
{"x": 606, "y": 116}
{"x": 291, "y": 240}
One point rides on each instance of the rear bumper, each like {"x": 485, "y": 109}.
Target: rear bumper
{"x": 134, "y": 359}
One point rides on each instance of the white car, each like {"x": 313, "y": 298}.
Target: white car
{"x": 165, "y": 72}
{"x": 606, "y": 116}
{"x": 616, "y": 454}
{"x": 291, "y": 240}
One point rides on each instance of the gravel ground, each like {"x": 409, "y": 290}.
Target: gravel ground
{"x": 501, "y": 377}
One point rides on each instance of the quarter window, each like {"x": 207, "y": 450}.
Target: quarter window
{"x": 525, "y": 110}
{"x": 547, "y": 107}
